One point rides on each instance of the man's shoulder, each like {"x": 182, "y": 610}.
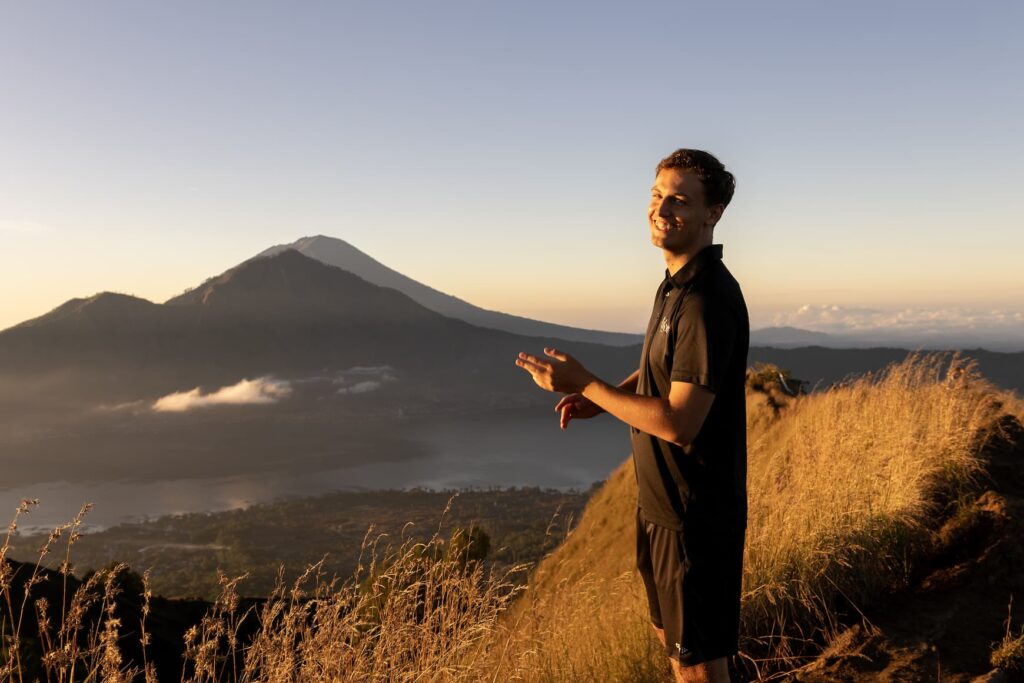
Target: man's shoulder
{"x": 715, "y": 290}
{"x": 718, "y": 281}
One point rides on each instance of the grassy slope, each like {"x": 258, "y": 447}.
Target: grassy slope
{"x": 847, "y": 490}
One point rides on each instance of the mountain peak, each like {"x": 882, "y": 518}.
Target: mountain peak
{"x": 339, "y": 253}
{"x": 105, "y": 306}
{"x": 289, "y": 285}
{"x": 318, "y": 241}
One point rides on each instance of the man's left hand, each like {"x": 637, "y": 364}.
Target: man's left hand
{"x": 564, "y": 374}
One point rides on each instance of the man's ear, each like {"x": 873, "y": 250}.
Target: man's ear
{"x": 715, "y": 213}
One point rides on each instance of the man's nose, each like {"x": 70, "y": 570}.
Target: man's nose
{"x": 663, "y": 208}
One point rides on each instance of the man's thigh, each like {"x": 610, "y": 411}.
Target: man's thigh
{"x": 693, "y": 590}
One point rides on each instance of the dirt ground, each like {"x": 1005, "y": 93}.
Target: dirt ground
{"x": 944, "y": 628}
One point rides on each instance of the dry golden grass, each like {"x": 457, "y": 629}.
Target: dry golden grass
{"x": 1008, "y": 654}
{"x": 415, "y": 612}
{"x": 1013, "y": 404}
{"x": 845, "y": 488}
{"x": 844, "y": 493}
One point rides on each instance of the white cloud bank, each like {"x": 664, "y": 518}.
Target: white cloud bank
{"x": 261, "y": 390}
{"x": 840, "y": 319}
{"x": 995, "y": 328}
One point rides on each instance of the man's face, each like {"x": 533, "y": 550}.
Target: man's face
{"x": 679, "y": 219}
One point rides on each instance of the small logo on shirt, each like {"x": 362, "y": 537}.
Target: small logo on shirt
{"x": 664, "y": 326}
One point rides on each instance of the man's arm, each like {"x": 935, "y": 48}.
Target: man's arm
{"x": 677, "y": 419}
{"x": 575, "y": 406}
{"x": 629, "y": 384}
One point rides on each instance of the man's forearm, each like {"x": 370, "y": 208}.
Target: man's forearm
{"x": 649, "y": 414}
{"x": 630, "y": 383}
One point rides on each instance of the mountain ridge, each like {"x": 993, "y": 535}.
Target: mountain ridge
{"x": 338, "y": 252}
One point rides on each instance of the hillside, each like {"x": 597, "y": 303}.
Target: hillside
{"x": 884, "y": 572}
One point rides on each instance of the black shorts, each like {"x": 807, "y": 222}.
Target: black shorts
{"x": 693, "y": 581}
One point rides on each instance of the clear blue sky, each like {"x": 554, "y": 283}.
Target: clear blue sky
{"x": 503, "y": 152}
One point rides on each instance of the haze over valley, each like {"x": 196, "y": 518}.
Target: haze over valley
{"x": 308, "y": 368}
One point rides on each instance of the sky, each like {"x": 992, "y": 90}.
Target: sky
{"x": 504, "y": 152}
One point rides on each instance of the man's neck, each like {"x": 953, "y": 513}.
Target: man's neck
{"x": 675, "y": 261}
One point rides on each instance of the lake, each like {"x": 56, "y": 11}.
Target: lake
{"x": 465, "y": 452}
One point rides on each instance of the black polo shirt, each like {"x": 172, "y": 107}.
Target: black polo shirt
{"x": 698, "y": 333}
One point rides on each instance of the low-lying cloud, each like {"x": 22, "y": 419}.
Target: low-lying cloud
{"x": 995, "y": 328}
{"x": 360, "y": 387}
{"x": 841, "y": 319}
{"x": 259, "y": 391}
{"x": 364, "y": 379}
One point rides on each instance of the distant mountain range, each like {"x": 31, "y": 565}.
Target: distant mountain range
{"x": 320, "y": 305}
{"x": 788, "y": 337}
{"x": 793, "y": 337}
{"x": 283, "y": 314}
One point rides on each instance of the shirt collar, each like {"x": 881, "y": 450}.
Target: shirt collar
{"x": 695, "y": 266}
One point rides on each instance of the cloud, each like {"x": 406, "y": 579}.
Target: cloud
{"x": 127, "y": 406}
{"x": 921, "y": 321}
{"x": 363, "y": 379}
{"x": 259, "y": 391}
{"x": 360, "y": 387}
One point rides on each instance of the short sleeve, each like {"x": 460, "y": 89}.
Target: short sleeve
{"x": 705, "y": 338}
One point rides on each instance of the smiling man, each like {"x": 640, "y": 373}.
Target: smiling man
{"x": 686, "y": 410}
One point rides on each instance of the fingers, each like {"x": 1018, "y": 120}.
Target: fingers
{"x": 568, "y": 399}
{"x": 555, "y": 353}
{"x": 567, "y": 414}
{"x": 532, "y": 368}
{"x": 526, "y": 360}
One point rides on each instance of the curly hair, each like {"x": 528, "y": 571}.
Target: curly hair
{"x": 719, "y": 184}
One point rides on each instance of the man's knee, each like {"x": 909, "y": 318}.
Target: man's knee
{"x": 715, "y": 671}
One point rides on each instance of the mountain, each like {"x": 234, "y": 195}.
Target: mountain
{"x": 910, "y": 338}
{"x": 350, "y": 365}
{"x": 289, "y": 286}
{"x": 341, "y": 254}
{"x": 287, "y": 315}
{"x": 105, "y": 308}
{"x": 787, "y": 337}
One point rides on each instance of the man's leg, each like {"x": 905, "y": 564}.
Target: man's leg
{"x": 715, "y": 671}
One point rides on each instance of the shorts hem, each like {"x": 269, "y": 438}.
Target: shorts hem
{"x": 694, "y": 660}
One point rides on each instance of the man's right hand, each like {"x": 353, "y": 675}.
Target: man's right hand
{"x": 576, "y": 407}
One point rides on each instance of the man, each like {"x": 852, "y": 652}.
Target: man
{"x": 686, "y": 410}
